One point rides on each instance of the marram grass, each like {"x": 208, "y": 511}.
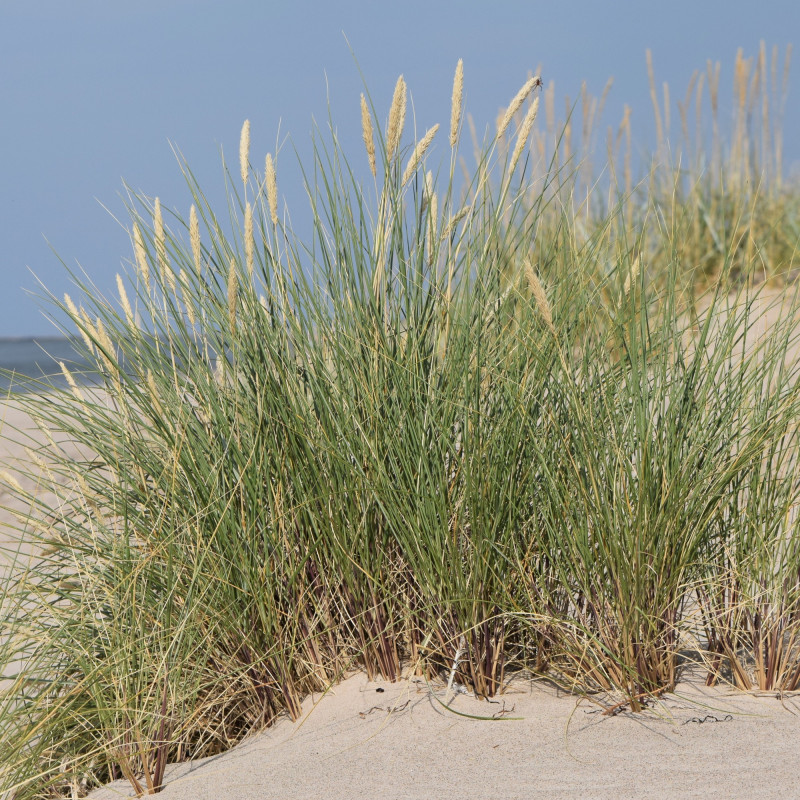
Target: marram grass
{"x": 475, "y": 425}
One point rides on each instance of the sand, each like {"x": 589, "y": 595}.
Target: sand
{"x": 360, "y": 742}
{"x": 369, "y": 740}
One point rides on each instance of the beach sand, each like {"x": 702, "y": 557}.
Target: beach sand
{"x": 360, "y": 742}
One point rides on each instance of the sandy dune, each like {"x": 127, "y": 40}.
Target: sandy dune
{"x": 351, "y": 745}
{"x": 367, "y": 740}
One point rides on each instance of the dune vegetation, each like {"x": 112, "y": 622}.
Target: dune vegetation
{"x": 505, "y": 409}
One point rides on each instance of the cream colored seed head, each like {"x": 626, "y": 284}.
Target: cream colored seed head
{"x": 540, "y": 296}
{"x": 455, "y": 220}
{"x": 397, "y": 118}
{"x": 244, "y": 151}
{"x": 72, "y": 384}
{"x": 76, "y": 317}
{"x": 367, "y": 133}
{"x": 123, "y": 298}
{"x": 153, "y": 390}
{"x": 458, "y": 94}
{"x": 419, "y": 152}
{"x": 107, "y": 348}
{"x": 249, "y": 243}
{"x": 632, "y": 276}
{"x": 524, "y": 133}
{"x": 516, "y": 103}
{"x": 272, "y": 189}
{"x": 194, "y": 236}
{"x": 7, "y": 478}
{"x": 88, "y": 326}
{"x": 141, "y": 256}
{"x": 158, "y": 229}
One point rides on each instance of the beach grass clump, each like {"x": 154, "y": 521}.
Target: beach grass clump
{"x": 471, "y": 425}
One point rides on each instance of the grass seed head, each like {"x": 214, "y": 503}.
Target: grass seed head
{"x": 78, "y": 394}
{"x": 367, "y": 133}
{"x": 524, "y": 133}
{"x": 630, "y": 279}
{"x": 272, "y": 189}
{"x": 456, "y": 104}
{"x": 539, "y": 296}
{"x": 158, "y": 229}
{"x": 194, "y": 236}
{"x": 397, "y": 118}
{"x": 141, "y": 256}
{"x": 244, "y": 151}
{"x": 123, "y": 298}
{"x": 76, "y": 317}
{"x": 152, "y": 389}
{"x": 516, "y": 103}
{"x": 419, "y": 152}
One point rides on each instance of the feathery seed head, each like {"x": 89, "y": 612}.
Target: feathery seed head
{"x": 106, "y": 350}
{"x": 455, "y": 108}
{"x": 7, "y": 478}
{"x": 72, "y": 384}
{"x": 450, "y": 227}
{"x": 272, "y": 189}
{"x": 519, "y": 99}
{"x": 244, "y": 151}
{"x": 630, "y": 279}
{"x": 397, "y": 118}
{"x": 194, "y": 236}
{"x": 367, "y": 133}
{"x": 539, "y": 296}
{"x": 152, "y": 388}
{"x": 524, "y": 133}
{"x": 77, "y": 317}
{"x": 88, "y": 327}
{"x": 123, "y": 298}
{"x": 141, "y": 256}
{"x": 158, "y": 229}
{"x": 419, "y": 152}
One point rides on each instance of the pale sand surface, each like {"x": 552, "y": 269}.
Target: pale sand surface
{"x": 352, "y": 746}
{"x": 357, "y": 742}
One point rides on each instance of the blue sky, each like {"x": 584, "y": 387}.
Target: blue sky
{"x": 93, "y": 92}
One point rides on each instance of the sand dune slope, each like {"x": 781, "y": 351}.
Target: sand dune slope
{"x": 697, "y": 743}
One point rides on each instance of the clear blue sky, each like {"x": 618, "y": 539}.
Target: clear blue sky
{"x": 93, "y": 91}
